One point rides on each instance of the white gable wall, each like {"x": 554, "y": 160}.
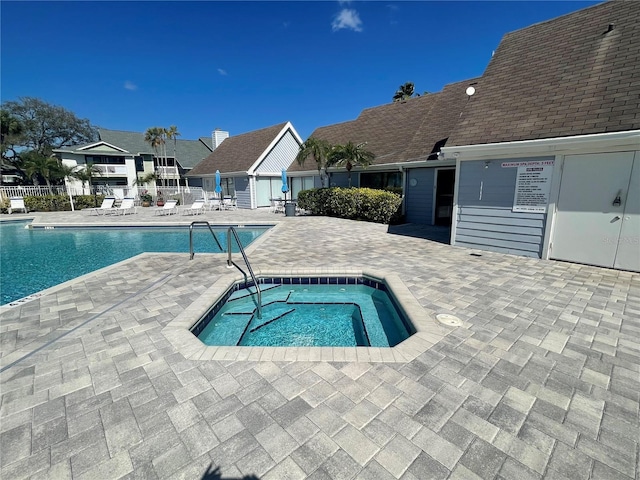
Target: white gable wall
{"x": 281, "y": 155}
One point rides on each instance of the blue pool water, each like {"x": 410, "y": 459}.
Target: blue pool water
{"x": 307, "y": 315}
{"x": 34, "y": 259}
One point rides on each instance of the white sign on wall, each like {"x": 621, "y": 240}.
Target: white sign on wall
{"x": 533, "y": 183}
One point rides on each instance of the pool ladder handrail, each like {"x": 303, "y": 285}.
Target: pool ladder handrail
{"x": 246, "y": 261}
{"x": 201, "y": 222}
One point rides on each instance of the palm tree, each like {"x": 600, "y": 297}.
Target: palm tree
{"x": 404, "y": 92}
{"x": 155, "y": 136}
{"x": 173, "y": 134}
{"x": 317, "y": 148}
{"x": 86, "y": 175}
{"x": 40, "y": 166}
{"x": 350, "y": 155}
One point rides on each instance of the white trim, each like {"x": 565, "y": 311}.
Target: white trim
{"x": 554, "y": 195}
{"x": 629, "y": 140}
{"x": 288, "y": 126}
{"x": 454, "y": 213}
{"x": 93, "y": 145}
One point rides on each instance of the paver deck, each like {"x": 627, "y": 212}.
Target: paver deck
{"x": 542, "y": 380}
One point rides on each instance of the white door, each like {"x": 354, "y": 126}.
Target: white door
{"x": 628, "y": 254}
{"x": 590, "y": 217}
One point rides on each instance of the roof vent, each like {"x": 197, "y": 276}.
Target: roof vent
{"x": 610, "y": 28}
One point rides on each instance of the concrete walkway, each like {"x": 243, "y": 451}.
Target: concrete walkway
{"x": 541, "y": 381}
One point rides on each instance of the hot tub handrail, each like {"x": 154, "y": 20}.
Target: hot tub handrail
{"x": 246, "y": 261}
{"x": 201, "y": 222}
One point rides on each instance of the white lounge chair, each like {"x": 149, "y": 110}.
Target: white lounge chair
{"x": 230, "y": 203}
{"x": 170, "y": 207}
{"x": 17, "y": 203}
{"x": 196, "y": 208}
{"x": 127, "y": 206}
{"x": 105, "y": 208}
{"x": 214, "y": 203}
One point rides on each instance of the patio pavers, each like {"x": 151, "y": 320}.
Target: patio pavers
{"x": 541, "y": 380}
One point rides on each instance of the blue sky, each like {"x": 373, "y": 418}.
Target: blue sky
{"x": 242, "y": 66}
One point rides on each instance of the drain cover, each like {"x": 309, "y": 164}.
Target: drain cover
{"x": 449, "y": 320}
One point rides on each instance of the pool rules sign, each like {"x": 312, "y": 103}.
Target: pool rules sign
{"x": 533, "y": 183}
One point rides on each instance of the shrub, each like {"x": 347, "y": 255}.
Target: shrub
{"x": 56, "y": 203}
{"x": 353, "y": 203}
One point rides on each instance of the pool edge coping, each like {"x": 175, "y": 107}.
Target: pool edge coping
{"x": 428, "y": 330}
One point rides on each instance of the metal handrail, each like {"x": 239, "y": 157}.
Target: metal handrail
{"x": 246, "y": 260}
{"x": 201, "y": 222}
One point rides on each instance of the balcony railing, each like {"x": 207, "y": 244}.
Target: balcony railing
{"x": 112, "y": 170}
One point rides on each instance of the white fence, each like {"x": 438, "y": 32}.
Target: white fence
{"x": 186, "y": 194}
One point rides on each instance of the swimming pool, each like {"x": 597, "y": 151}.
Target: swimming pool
{"x": 308, "y": 311}
{"x": 32, "y": 260}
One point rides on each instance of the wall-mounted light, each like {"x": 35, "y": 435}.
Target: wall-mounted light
{"x": 486, "y": 164}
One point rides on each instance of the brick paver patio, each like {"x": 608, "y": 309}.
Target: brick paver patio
{"x": 542, "y": 380}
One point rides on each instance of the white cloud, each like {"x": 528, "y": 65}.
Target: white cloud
{"x": 129, "y": 85}
{"x": 347, "y": 18}
{"x": 222, "y": 72}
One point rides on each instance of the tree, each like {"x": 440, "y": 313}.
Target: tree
{"x": 38, "y": 166}
{"x": 173, "y": 134}
{"x": 11, "y": 129}
{"x": 317, "y": 148}
{"x": 46, "y": 127}
{"x": 350, "y": 155}
{"x": 86, "y": 175}
{"x": 404, "y": 92}
{"x": 156, "y": 137}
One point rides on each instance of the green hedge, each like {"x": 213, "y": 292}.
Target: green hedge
{"x": 57, "y": 203}
{"x": 365, "y": 204}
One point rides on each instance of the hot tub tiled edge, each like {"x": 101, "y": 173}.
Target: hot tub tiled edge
{"x": 428, "y": 330}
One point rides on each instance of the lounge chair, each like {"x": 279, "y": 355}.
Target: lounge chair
{"x": 17, "y": 203}
{"x": 214, "y": 203}
{"x": 169, "y": 208}
{"x": 127, "y": 206}
{"x": 105, "y": 208}
{"x": 196, "y": 208}
{"x": 230, "y": 203}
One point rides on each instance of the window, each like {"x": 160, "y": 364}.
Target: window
{"x": 105, "y": 160}
{"x": 382, "y": 181}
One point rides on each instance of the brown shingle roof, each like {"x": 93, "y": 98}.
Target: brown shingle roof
{"x": 238, "y": 153}
{"x": 567, "y": 76}
{"x": 400, "y": 131}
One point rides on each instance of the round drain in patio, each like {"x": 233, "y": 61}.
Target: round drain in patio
{"x": 449, "y": 320}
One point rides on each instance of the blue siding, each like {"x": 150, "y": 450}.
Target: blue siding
{"x": 485, "y": 220}
{"x": 419, "y": 198}
{"x": 243, "y": 193}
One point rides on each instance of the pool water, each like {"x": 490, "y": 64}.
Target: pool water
{"x": 32, "y": 260}
{"x": 306, "y": 315}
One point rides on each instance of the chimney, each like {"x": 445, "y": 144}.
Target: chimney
{"x": 217, "y": 137}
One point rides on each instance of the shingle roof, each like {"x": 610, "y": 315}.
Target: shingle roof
{"x": 238, "y": 153}
{"x": 571, "y": 75}
{"x": 188, "y": 152}
{"x": 400, "y": 131}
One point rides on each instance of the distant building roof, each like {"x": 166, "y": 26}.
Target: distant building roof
{"x": 573, "y": 75}
{"x": 188, "y": 152}
{"x": 238, "y": 153}
{"x": 403, "y": 131}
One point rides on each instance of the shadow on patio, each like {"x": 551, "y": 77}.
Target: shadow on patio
{"x": 428, "y": 232}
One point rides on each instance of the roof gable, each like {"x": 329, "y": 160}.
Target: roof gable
{"x": 241, "y": 153}
{"x": 574, "y": 75}
{"x": 101, "y": 147}
{"x": 188, "y": 152}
